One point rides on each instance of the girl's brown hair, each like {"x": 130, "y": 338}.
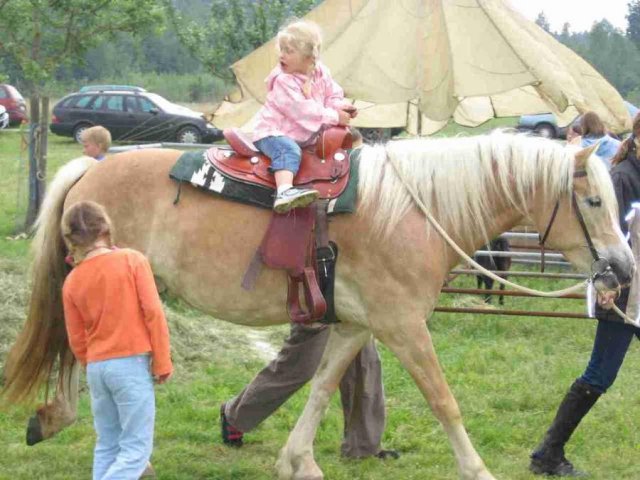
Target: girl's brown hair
{"x": 629, "y": 143}
{"x": 592, "y": 125}
{"x": 85, "y": 223}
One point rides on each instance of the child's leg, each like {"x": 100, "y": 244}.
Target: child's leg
{"x": 105, "y": 421}
{"x": 285, "y": 157}
{"x": 131, "y": 383}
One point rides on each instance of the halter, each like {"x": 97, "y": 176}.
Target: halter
{"x": 600, "y": 266}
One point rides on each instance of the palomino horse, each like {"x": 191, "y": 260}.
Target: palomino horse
{"x": 392, "y": 264}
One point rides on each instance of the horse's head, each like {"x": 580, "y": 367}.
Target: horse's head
{"x": 585, "y": 224}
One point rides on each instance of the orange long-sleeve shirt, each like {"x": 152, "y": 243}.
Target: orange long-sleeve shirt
{"x": 112, "y": 309}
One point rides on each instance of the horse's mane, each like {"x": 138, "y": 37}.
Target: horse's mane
{"x": 455, "y": 176}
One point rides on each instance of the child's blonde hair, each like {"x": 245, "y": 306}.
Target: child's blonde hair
{"x": 301, "y": 35}
{"x": 99, "y": 136}
{"x": 83, "y": 225}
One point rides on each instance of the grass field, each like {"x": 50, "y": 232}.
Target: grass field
{"x": 508, "y": 375}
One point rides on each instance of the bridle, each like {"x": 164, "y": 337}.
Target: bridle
{"x": 600, "y": 266}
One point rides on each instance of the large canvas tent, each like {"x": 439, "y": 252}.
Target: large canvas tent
{"x": 417, "y": 63}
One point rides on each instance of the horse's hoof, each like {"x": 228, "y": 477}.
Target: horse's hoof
{"x": 34, "y": 431}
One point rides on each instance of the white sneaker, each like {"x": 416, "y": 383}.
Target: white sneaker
{"x": 294, "y": 198}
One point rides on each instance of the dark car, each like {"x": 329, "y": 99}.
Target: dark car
{"x": 131, "y": 116}
{"x": 11, "y": 99}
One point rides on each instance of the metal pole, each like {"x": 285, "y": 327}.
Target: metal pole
{"x": 506, "y": 293}
{"x": 568, "y": 276}
{"x": 518, "y": 313}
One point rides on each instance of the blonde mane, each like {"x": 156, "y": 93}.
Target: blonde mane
{"x": 454, "y": 178}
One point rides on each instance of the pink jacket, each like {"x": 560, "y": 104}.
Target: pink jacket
{"x": 289, "y": 112}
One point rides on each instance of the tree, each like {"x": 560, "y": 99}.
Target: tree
{"x": 542, "y": 22}
{"x": 633, "y": 22}
{"x": 39, "y": 36}
{"x": 233, "y": 29}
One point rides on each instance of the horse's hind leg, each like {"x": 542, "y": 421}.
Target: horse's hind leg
{"x": 58, "y": 414}
{"x": 296, "y": 457}
{"x": 411, "y": 343}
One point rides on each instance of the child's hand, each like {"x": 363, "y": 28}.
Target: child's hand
{"x": 343, "y": 118}
{"x": 160, "y": 379}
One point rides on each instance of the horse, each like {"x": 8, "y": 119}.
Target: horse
{"x": 392, "y": 262}
{"x": 499, "y": 264}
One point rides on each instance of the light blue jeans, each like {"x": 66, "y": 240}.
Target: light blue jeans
{"x": 123, "y": 406}
{"x": 284, "y": 152}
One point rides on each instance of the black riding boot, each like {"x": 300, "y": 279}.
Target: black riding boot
{"x": 548, "y": 458}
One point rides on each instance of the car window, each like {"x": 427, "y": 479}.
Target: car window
{"x": 3, "y": 94}
{"x": 146, "y": 105}
{"x": 67, "y": 102}
{"x": 83, "y": 101}
{"x": 13, "y": 92}
{"x": 131, "y": 104}
{"x": 99, "y": 102}
{"x": 115, "y": 103}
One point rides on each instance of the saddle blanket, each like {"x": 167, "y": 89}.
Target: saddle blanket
{"x": 194, "y": 168}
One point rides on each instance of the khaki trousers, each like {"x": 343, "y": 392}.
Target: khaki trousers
{"x": 361, "y": 389}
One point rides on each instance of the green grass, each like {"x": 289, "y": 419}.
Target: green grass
{"x": 507, "y": 373}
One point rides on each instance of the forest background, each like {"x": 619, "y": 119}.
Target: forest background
{"x": 182, "y": 49}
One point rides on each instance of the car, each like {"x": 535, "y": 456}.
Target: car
{"x": 4, "y": 117}
{"x": 545, "y": 125}
{"x": 11, "y": 99}
{"x": 131, "y": 116}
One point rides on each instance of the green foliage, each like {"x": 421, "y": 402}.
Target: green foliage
{"x": 633, "y": 22}
{"x": 542, "y": 22}
{"x": 233, "y": 29}
{"x": 52, "y": 33}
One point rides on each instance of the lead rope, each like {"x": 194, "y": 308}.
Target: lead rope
{"x": 477, "y": 266}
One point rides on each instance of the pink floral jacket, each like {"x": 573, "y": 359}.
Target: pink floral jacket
{"x": 290, "y": 112}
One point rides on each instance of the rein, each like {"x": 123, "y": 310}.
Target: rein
{"x": 476, "y": 265}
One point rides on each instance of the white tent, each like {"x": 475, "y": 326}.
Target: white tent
{"x": 417, "y": 63}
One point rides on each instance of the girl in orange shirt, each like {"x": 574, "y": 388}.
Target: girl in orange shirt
{"x": 117, "y": 329}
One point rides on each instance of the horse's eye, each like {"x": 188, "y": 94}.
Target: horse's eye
{"x": 594, "y": 201}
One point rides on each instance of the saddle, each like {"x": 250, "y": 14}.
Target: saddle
{"x": 298, "y": 241}
{"x": 324, "y": 166}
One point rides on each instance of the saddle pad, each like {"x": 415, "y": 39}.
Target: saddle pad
{"x": 194, "y": 168}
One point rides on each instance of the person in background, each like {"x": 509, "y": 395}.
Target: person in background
{"x": 361, "y": 393}
{"x": 593, "y": 131}
{"x": 612, "y": 335}
{"x": 96, "y": 142}
{"x": 574, "y": 134}
{"x": 117, "y": 329}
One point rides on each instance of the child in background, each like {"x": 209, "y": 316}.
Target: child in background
{"x": 96, "y": 142}
{"x": 302, "y": 98}
{"x": 117, "y": 328}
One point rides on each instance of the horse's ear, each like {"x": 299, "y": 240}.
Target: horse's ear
{"x": 582, "y": 156}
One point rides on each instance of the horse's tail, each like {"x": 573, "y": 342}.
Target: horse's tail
{"x": 43, "y": 339}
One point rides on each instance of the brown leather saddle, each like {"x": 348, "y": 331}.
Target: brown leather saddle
{"x": 324, "y": 166}
{"x": 299, "y": 240}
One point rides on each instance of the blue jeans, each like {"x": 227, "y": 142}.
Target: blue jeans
{"x": 284, "y": 152}
{"x": 609, "y": 349}
{"x": 123, "y": 406}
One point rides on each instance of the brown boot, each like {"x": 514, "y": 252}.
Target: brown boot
{"x": 548, "y": 458}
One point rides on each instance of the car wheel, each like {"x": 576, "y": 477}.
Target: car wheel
{"x": 77, "y": 132}
{"x": 189, "y": 134}
{"x": 545, "y": 130}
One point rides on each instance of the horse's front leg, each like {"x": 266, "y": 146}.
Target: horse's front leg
{"x": 59, "y": 413}
{"x": 411, "y": 342}
{"x": 296, "y": 460}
